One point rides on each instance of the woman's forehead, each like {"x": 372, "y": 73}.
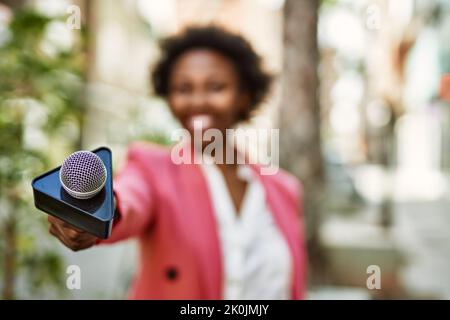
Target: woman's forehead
{"x": 202, "y": 61}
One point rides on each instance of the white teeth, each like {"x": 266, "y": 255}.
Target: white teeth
{"x": 200, "y": 121}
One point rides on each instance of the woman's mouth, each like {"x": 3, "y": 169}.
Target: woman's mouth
{"x": 199, "y": 122}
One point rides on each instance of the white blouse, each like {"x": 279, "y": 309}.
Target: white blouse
{"x": 256, "y": 258}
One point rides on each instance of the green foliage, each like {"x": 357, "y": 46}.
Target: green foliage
{"x": 39, "y": 97}
{"x": 328, "y": 3}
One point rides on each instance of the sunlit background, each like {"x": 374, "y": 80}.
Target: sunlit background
{"x": 378, "y": 196}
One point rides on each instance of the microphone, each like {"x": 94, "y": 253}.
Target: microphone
{"x": 80, "y": 191}
{"x": 83, "y": 174}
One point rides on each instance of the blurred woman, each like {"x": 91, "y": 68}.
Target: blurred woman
{"x": 206, "y": 231}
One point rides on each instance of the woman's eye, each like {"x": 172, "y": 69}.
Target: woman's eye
{"x": 216, "y": 87}
{"x": 181, "y": 89}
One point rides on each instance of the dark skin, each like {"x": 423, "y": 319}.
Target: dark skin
{"x": 205, "y": 82}
{"x": 203, "y": 85}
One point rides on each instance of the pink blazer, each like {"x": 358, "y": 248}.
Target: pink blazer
{"x": 168, "y": 209}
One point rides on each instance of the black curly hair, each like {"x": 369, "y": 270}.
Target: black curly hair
{"x": 253, "y": 79}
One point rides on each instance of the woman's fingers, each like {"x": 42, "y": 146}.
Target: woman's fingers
{"x": 65, "y": 227}
{"x": 59, "y": 222}
{"x": 69, "y": 235}
{"x": 71, "y": 227}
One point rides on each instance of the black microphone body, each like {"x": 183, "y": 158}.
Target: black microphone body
{"x": 80, "y": 192}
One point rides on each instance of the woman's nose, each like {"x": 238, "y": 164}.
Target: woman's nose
{"x": 199, "y": 101}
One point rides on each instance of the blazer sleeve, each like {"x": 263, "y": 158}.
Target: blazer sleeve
{"x": 133, "y": 196}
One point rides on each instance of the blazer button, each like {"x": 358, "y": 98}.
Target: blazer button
{"x": 171, "y": 273}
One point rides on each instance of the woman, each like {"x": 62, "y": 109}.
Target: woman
{"x": 206, "y": 231}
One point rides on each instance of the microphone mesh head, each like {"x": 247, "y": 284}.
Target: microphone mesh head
{"x": 83, "y": 174}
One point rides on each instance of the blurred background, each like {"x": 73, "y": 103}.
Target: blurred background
{"x": 356, "y": 100}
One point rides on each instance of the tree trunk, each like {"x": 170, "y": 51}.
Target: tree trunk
{"x": 9, "y": 258}
{"x": 300, "y": 146}
{"x": 89, "y": 21}
{"x": 13, "y": 4}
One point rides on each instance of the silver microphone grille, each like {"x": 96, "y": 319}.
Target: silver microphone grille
{"x": 83, "y": 174}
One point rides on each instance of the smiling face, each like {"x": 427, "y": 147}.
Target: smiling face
{"x": 204, "y": 88}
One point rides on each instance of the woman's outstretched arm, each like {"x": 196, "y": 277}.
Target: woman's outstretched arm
{"x": 133, "y": 203}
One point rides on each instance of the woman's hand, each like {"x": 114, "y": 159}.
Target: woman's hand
{"x": 69, "y": 235}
